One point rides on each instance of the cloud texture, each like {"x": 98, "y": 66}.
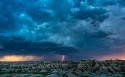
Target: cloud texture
{"x": 80, "y": 28}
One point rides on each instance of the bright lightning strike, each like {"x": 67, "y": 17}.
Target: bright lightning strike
{"x": 63, "y": 57}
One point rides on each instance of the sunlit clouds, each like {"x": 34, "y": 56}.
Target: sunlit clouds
{"x": 20, "y": 58}
{"x": 111, "y": 57}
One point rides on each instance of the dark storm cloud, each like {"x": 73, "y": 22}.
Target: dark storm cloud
{"x": 19, "y": 46}
{"x": 90, "y": 26}
{"x": 8, "y": 15}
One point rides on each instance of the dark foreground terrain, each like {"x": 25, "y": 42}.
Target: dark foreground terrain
{"x": 83, "y": 68}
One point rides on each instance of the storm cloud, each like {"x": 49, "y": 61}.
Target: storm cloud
{"x": 80, "y": 28}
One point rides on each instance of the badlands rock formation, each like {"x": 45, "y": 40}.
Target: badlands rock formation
{"x": 83, "y": 68}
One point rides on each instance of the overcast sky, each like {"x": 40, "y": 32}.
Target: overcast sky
{"x": 78, "y": 29}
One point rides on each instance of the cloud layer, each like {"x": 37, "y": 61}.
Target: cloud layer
{"x": 80, "y": 28}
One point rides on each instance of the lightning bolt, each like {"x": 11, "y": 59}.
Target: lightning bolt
{"x": 63, "y": 57}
